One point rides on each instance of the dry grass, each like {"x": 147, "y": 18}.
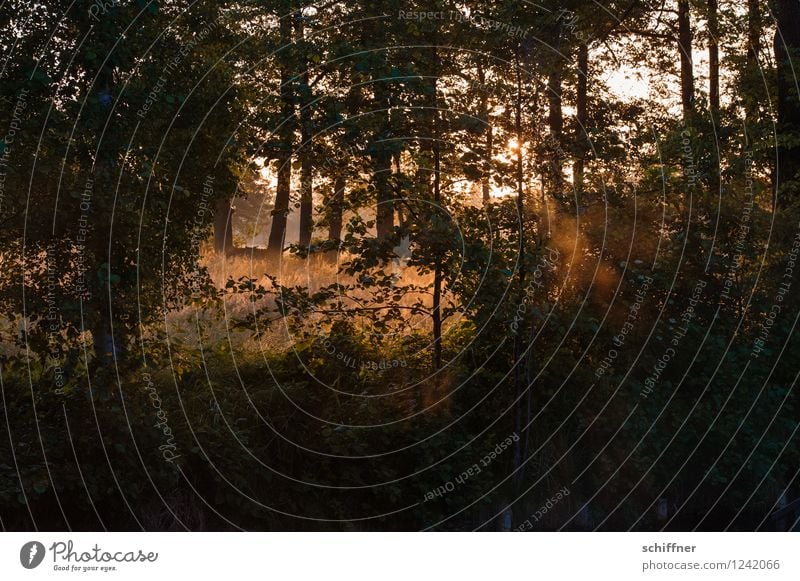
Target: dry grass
{"x": 313, "y": 274}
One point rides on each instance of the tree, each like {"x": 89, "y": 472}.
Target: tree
{"x": 713, "y": 85}
{"x": 581, "y": 116}
{"x": 787, "y": 44}
{"x": 686, "y": 59}
{"x": 285, "y": 134}
{"x": 306, "y": 134}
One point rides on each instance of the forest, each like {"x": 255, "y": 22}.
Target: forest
{"x": 491, "y": 265}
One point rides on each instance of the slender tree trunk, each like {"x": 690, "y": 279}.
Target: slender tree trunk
{"x": 306, "y": 185}
{"x": 687, "y": 67}
{"x": 382, "y": 165}
{"x": 713, "y": 86}
{"x": 306, "y": 162}
{"x": 277, "y": 234}
{"x": 280, "y": 213}
{"x": 555, "y": 121}
{"x": 581, "y": 115}
{"x": 787, "y": 48}
{"x": 750, "y": 93}
{"x": 437, "y": 198}
{"x": 353, "y": 103}
{"x": 488, "y": 133}
{"x": 713, "y": 60}
{"x": 752, "y": 88}
{"x": 437, "y": 273}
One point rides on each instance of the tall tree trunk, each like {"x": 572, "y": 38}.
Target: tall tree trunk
{"x": 277, "y": 234}
{"x": 687, "y": 66}
{"x": 373, "y": 37}
{"x": 713, "y": 85}
{"x": 751, "y": 93}
{"x": 555, "y": 121}
{"x": 223, "y": 227}
{"x": 435, "y": 144}
{"x": 713, "y": 60}
{"x": 787, "y": 48}
{"x": 342, "y": 171}
{"x": 382, "y": 164}
{"x": 305, "y": 153}
{"x": 437, "y": 273}
{"x": 581, "y": 105}
{"x": 280, "y": 213}
{"x": 488, "y": 133}
{"x": 306, "y": 186}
